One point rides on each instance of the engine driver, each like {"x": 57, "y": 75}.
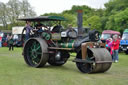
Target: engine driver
{"x": 38, "y": 27}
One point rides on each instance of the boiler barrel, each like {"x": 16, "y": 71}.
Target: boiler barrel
{"x": 67, "y": 45}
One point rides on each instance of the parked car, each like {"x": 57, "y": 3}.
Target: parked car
{"x": 4, "y": 34}
{"x": 17, "y": 34}
{"x": 124, "y": 41}
{"x": 106, "y": 34}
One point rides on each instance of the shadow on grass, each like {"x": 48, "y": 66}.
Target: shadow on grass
{"x": 74, "y": 70}
{"x": 63, "y": 68}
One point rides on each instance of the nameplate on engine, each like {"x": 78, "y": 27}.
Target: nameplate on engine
{"x": 56, "y": 36}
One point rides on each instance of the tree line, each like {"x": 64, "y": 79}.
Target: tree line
{"x": 13, "y": 10}
{"x": 114, "y": 16}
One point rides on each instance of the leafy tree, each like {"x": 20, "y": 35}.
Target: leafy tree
{"x": 75, "y": 8}
{"x": 110, "y": 24}
{"x": 3, "y": 14}
{"x": 104, "y": 19}
{"x": 71, "y": 15}
{"x": 116, "y": 11}
{"x": 114, "y": 6}
{"x": 94, "y": 21}
{"x": 14, "y": 9}
{"x": 121, "y": 20}
{"x": 71, "y": 19}
{"x": 26, "y": 9}
{"x": 114, "y": 16}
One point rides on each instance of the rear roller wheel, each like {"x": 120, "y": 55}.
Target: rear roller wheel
{"x": 35, "y": 52}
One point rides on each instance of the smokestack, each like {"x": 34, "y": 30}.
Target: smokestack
{"x": 80, "y": 22}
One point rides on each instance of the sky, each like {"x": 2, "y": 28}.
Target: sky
{"x": 57, "y": 6}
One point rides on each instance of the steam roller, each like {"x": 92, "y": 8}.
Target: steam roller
{"x": 54, "y": 45}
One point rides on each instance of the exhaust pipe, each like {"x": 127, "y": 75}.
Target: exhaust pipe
{"x": 80, "y": 22}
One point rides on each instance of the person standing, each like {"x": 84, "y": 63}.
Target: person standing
{"x": 115, "y": 48}
{"x": 11, "y": 42}
{"x": 38, "y": 29}
{"x": 28, "y": 29}
{"x": 0, "y": 41}
{"x": 109, "y": 43}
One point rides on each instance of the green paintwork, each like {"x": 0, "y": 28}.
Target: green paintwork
{"x": 56, "y": 18}
{"x": 35, "y": 52}
{"x": 46, "y": 36}
{"x": 67, "y": 45}
{"x": 126, "y": 30}
{"x": 44, "y": 18}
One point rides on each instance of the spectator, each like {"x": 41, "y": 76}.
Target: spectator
{"x": 28, "y": 30}
{"x": 115, "y": 48}
{"x": 0, "y": 41}
{"x": 11, "y": 42}
{"x": 109, "y": 43}
{"x": 103, "y": 40}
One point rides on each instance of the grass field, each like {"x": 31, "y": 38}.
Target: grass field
{"x": 14, "y": 71}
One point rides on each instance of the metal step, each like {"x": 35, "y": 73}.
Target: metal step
{"x": 82, "y": 60}
{"x": 57, "y": 48}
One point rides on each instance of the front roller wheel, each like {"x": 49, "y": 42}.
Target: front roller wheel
{"x": 35, "y": 52}
{"x": 100, "y": 57}
{"x": 84, "y": 67}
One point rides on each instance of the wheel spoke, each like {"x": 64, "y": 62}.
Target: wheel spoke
{"x": 38, "y": 53}
{"x": 36, "y": 60}
{"x": 35, "y": 52}
{"x": 34, "y": 45}
{"x": 34, "y": 57}
{"x": 31, "y": 48}
{"x": 38, "y": 48}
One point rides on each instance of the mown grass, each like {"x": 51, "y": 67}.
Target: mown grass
{"x": 14, "y": 71}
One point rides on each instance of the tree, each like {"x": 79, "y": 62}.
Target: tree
{"x": 3, "y": 14}
{"x": 114, "y": 6}
{"x": 71, "y": 19}
{"x": 13, "y": 10}
{"x": 71, "y": 15}
{"x": 26, "y": 9}
{"x": 94, "y": 21}
{"x": 121, "y": 20}
{"x": 110, "y": 24}
{"x": 117, "y": 13}
{"x": 13, "y": 7}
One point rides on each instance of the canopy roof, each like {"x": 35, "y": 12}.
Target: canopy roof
{"x": 110, "y": 32}
{"x": 44, "y": 18}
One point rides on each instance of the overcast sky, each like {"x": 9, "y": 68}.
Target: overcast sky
{"x": 57, "y": 6}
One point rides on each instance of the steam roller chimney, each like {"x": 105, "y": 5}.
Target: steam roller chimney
{"x": 80, "y": 22}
